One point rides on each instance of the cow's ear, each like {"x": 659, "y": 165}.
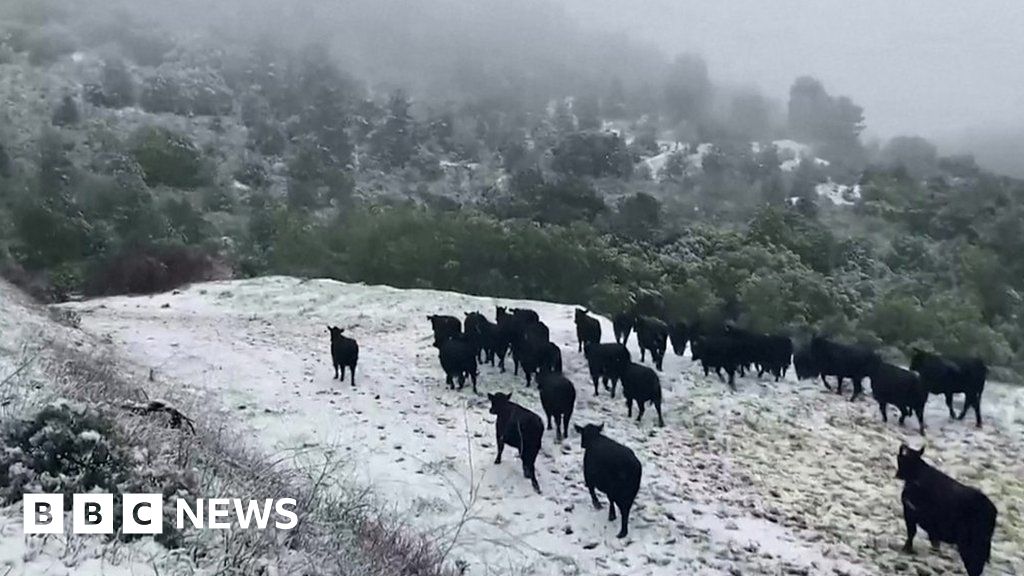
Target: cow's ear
{"x": 340, "y": 330}
{"x": 600, "y": 427}
{"x": 490, "y": 397}
{"x": 920, "y": 452}
{"x": 579, "y": 429}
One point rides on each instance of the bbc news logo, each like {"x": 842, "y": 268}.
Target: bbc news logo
{"x": 144, "y": 513}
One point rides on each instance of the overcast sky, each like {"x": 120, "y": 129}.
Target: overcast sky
{"x": 928, "y": 67}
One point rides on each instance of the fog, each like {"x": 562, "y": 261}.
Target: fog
{"x": 916, "y": 66}
{"x": 951, "y": 72}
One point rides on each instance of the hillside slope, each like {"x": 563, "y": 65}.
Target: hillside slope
{"x": 771, "y": 479}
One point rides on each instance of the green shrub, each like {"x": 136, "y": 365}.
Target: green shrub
{"x": 167, "y": 158}
{"x": 64, "y": 448}
{"x": 71, "y": 448}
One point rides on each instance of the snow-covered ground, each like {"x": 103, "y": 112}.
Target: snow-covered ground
{"x": 773, "y": 479}
{"x": 839, "y": 194}
{"x": 27, "y": 334}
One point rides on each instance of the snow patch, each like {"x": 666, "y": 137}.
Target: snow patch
{"x": 839, "y": 194}
{"x": 714, "y": 499}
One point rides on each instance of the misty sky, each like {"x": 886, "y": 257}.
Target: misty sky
{"x": 928, "y": 67}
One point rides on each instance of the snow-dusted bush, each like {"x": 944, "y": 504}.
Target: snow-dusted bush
{"x": 167, "y": 157}
{"x": 65, "y": 448}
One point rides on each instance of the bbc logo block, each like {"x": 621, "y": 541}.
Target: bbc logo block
{"x": 144, "y": 513}
{"x": 93, "y": 513}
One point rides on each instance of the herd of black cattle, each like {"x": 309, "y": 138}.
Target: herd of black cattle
{"x": 950, "y": 512}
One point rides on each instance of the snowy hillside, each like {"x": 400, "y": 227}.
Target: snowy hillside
{"x": 772, "y": 479}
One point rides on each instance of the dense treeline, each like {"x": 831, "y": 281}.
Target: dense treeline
{"x": 167, "y": 164}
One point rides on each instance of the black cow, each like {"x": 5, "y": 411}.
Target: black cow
{"x": 775, "y": 355}
{"x": 486, "y": 339}
{"x": 844, "y": 361}
{"x": 611, "y": 468}
{"x": 622, "y": 325}
{"x": 745, "y": 347}
{"x": 717, "y": 353}
{"x": 508, "y": 335}
{"x": 444, "y": 327}
{"x": 952, "y": 376}
{"x": 679, "y": 334}
{"x": 517, "y": 427}
{"x": 344, "y": 353}
{"x": 902, "y": 388}
{"x": 538, "y": 358}
{"x": 652, "y": 336}
{"x": 805, "y": 364}
{"x": 607, "y": 362}
{"x": 588, "y": 329}
{"x": 641, "y": 384}
{"x": 475, "y": 327}
{"x": 558, "y": 397}
{"x": 947, "y": 510}
{"x": 458, "y": 360}
{"x": 537, "y": 331}
{"x": 526, "y": 315}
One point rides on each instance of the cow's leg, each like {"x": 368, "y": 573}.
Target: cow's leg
{"x": 549, "y": 420}
{"x": 920, "y": 418}
{"x": 629, "y": 407}
{"x": 595, "y": 378}
{"x": 857, "y": 388}
{"x": 908, "y": 518}
{"x": 624, "y": 529}
{"x": 352, "y": 369}
{"x": 640, "y": 406}
{"x": 661, "y": 421}
{"x": 593, "y": 497}
{"x": 611, "y": 509}
{"x": 335, "y": 371}
{"x": 642, "y": 351}
{"x": 718, "y": 370}
{"x": 977, "y": 410}
{"x": 885, "y": 415}
{"x": 732, "y": 377}
{"x": 824, "y": 381}
{"x": 501, "y": 448}
{"x": 949, "y": 404}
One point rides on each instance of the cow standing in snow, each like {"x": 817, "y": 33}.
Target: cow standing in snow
{"x": 517, "y": 427}
{"x": 444, "y": 327}
{"x": 606, "y": 362}
{"x": 458, "y": 360}
{"x": 622, "y": 325}
{"x": 344, "y": 353}
{"x": 950, "y": 512}
{"x": 558, "y": 397}
{"x": 948, "y": 376}
{"x": 588, "y": 329}
{"x": 611, "y": 468}
{"x": 641, "y": 384}
{"x": 652, "y": 336}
